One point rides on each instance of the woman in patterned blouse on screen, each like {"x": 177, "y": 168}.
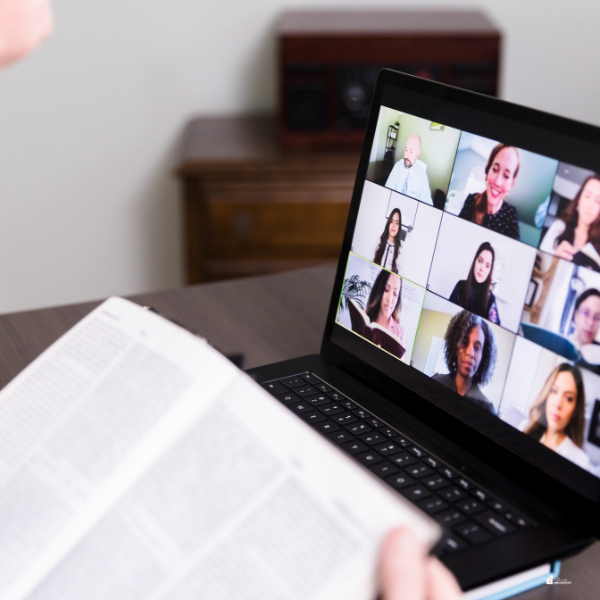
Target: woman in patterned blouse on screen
{"x": 490, "y": 208}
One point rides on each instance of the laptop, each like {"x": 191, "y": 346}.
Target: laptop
{"x": 460, "y": 360}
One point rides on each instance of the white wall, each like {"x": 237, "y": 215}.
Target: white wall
{"x": 89, "y": 124}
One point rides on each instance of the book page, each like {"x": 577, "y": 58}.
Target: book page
{"x": 71, "y": 417}
{"x": 229, "y": 495}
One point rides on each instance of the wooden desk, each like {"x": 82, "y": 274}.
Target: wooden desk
{"x": 251, "y": 316}
{"x": 250, "y": 208}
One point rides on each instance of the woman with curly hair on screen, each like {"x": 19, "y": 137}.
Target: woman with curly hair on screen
{"x": 557, "y": 418}
{"x": 470, "y": 357}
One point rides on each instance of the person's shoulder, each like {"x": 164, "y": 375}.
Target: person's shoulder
{"x": 509, "y": 210}
{"x": 569, "y": 449}
{"x": 478, "y": 397}
{"x": 469, "y": 200}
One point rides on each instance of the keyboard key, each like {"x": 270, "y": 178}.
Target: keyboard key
{"x": 436, "y": 482}
{"x": 480, "y": 495}
{"x": 434, "y": 505}
{"x": 307, "y": 390}
{"x": 313, "y": 417}
{"x": 475, "y": 534}
{"x": 498, "y": 507}
{"x": 384, "y": 469}
{"x": 470, "y": 507}
{"x": 416, "y": 493}
{"x": 400, "y": 481}
{"x": 518, "y": 520}
{"x": 403, "y": 460}
{"x": 375, "y": 422}
{"x": 452, "y": 544}
{"x": 391, "y": 433}
{"x": 434, "y": 463}
{"x": 328, "y": 426}
{"x": 418, "y": 452}
{"x": 311, "y": 378}
{"x": 369, "y": 458}
{"x": 496, "y": 524}
{"x": 323, "y": 387}
{"x": 354, "y": 447}
{"x": 449, "y": 473}
{"x": 345, "y": 418}
{"x": 293, "y": 382}
{"x": 318, "y": 400}
{"x": 348, "y": 404}
{"x": 358, "y": 428}
{"x": 418, "y": 471}
{"x": 331, "y": 409}
{"x": 274, "y": 387}
{"x": 362, "y": 413}
{"x": 301, "y": 407}
{"x": 403, "y": 441}
{"x": 464, "y": 484}
{"x": 372, "y": 438}
{"x": 453, "y": 495}
{"x": 289, "y": 397}
{"x": 339, "y": 437}
{"x": 451, "y": 517}
{"x": 337, "y": 396}
{"x": 389, "y": 448}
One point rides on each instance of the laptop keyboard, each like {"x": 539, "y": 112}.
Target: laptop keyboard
{"x": 470, "y": 516}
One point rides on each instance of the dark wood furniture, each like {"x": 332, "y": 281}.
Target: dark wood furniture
{"x": 250, "y": 208}
{"x": 328, "y": 63}
{"x": 268, "y": 319}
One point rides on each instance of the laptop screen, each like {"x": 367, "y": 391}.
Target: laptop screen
{"x": 472, "y": 266}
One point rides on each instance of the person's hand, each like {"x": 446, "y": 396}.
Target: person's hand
{"x": 565, "y": 250}
{"x": 406, "y": 572}
{"x": 23, "y": 25}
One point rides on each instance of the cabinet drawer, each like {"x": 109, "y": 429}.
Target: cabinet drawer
{"x": 275, "y": 230}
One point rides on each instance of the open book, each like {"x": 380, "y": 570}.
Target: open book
{"x": 374, "y": 332}
{"x": 136, "y": 462}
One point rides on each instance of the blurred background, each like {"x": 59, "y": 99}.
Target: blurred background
{"x": 91, "y": 125}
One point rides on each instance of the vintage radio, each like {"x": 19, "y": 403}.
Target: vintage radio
{"x": 328, "y": 64}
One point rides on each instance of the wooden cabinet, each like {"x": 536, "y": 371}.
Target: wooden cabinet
{"x": 250, "y": 208}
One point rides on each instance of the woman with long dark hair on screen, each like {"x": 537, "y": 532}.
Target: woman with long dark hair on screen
{"x": 490, "y": 208}
{"x": 470, "y": 355}
{"x": 388, "y": 249}
{"x": 577, "y": 230}
{"x": 475, "y": 292}
{"x": 385, "y": 303}
{"x": 557, "y": 417}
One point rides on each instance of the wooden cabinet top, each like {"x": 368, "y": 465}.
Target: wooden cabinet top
{"x": 248, "y": 143}
{"x": 353, "y": 22}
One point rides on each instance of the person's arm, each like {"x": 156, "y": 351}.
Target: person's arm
{"x": 425, "y": 193}
{"x": 455, "y": 295}
{"x": 406, "y": 572}
{"x": 392, "y": 180}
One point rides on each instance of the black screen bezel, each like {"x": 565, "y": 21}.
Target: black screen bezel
{"x": 546, "y": 474}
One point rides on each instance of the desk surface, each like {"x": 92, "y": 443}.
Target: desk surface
{"x": 251, "y": 316}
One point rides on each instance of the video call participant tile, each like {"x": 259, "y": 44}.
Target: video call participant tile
{"x": 562, "y": 312}
{"x": 380, "y": 306}
{"x": 463, "y": 352}
{"x": 572, "y": 227}
{"x": 396, "y": 232}
{"x": 413, "y": 156}
{"x": 552, "y": 400}
{"x": 481, "y": 271}
{"x": 501, "y": 187}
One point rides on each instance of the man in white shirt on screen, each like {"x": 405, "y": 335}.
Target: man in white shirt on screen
{"x": 408, "y": 177}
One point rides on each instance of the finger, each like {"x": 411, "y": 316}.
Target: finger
{"x": 441, "y": 584}
{"x": 402, "y": 566}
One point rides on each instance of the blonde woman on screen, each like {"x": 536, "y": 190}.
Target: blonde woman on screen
{"x": 557, "y": 417}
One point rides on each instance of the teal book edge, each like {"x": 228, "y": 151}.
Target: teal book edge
{"x": 526, "y": 585}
